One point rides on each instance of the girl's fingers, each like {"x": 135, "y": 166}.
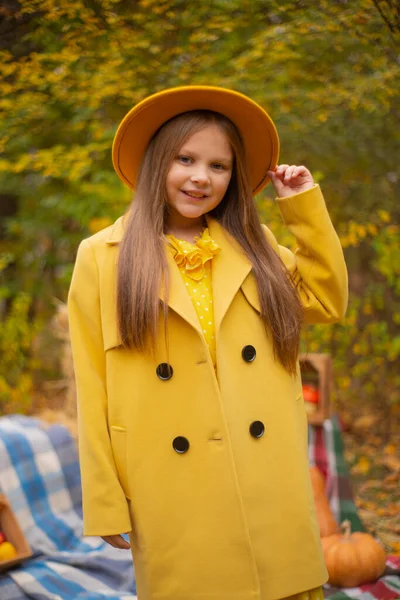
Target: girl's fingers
{"x": 290, "y": 172}
{"x": 280, "y": 170}
{"x": 122, "y": 543}
{"x": 289, "y": 180}
{"x": 300, "y": 170}
{"x": 117, "y": 541}
{"x": 109, "y": 540}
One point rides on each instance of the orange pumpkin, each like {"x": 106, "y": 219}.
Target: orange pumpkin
{"x": 326, "y": 521}
{"x": 353, "y": 559}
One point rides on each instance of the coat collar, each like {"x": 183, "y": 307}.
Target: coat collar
{"x": 116, "y": 231}
{"x": 229, "y": 270}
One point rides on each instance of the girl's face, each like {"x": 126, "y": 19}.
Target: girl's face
{"x": 198, "y": 177}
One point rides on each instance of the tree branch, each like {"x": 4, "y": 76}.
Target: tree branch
{"x": 393, "y": 27}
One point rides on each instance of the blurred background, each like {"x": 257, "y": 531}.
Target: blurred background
{"x": 328, "y": 74}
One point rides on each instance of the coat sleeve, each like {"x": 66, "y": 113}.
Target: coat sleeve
{"x": 105, "y": 508}
{"x": 317, "y": 265}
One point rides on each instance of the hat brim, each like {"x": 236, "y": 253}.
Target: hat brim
{"x": 143, "y": 120}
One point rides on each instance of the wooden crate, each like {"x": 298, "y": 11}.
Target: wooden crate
{"x": 9, "y": 526}
{"x": 316, "y": 372}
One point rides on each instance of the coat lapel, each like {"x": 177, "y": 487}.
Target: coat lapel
{"x": 179, "y": 299}
{"x": 229, "y": 269}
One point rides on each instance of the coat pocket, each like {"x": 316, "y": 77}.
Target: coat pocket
{"x": 119, "y": 448}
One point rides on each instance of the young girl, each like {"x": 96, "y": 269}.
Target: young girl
{"x": 185, "y": 318}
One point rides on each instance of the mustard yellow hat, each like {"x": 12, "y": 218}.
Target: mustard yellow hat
{"x": 143, "y": 120}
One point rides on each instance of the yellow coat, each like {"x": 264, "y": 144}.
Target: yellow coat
{"x": 233, "y": 517}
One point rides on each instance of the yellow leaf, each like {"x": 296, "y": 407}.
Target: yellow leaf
{"x": 344, "y": 382}
{"x": 362, "y": 232}
{"x": 367, "y": 310}
{"x": 384, "y": 216}
{"x": 362, "y": 466}
{"x": 391, "y": 462}
{"x": 99, "y": 223}
{"x": 396, "y": 547}
{"x": 390, "y": 449}
{"x": 365, "y": 422}
{"x": 381, "y": 512}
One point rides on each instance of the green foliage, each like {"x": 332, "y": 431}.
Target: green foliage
{"x": 326, "y": 71}
{"x": 17, "y": 366}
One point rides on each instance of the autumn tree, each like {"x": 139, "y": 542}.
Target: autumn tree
{"x": 326, "y": 71}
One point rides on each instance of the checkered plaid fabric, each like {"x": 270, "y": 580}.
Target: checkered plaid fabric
{"x": 39, "y": 474}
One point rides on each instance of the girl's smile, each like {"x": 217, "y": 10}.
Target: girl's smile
{"x": 195, "y": 194}
{"x": 198, "y": 178}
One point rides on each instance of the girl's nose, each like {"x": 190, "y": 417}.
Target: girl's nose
{"x": 200, "y": 176}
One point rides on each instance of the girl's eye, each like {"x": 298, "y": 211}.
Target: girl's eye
{"x": 186, "y": 160}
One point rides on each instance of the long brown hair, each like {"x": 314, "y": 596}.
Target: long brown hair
{"x": 142, "y": 265}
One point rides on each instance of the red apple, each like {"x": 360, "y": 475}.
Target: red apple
{"x": 310, "y": 393}
{"x": 2, "y": 537}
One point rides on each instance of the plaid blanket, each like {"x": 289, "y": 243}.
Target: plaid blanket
{"x": 39, "y": 474}
{"x": 325, "y": 449}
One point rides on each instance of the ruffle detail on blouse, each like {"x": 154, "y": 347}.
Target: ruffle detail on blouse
{"x": 193, "y": 257}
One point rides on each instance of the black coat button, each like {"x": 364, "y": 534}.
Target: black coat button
{"x": 257, "y": 429}
{"x": 164, "y": 371}
{"x": 249, "y": 353}
{"x": 180, "y": 445}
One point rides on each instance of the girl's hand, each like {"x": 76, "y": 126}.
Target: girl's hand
{"x": 290, "y": 180}
{"x": 117, "y": 541}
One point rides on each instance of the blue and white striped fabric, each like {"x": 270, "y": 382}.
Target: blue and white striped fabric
{"x": 39, "y": 474}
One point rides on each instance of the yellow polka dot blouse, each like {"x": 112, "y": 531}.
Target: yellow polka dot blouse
{"x": 194, "y": 262}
